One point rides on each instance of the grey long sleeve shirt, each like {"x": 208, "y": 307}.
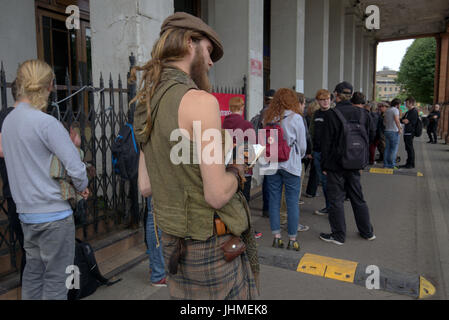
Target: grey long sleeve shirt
{"x": 30, "y": 138}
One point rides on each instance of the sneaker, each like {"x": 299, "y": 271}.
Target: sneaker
{"x": 300, "y": 202}
{"x": 257, "y": 234}
{"x": 329, "y": 238}
{"x": 160, "y": 283}
{"x": 373, "y": 237}
{"x": 278, "y": 243}
{"x": 321, "y": 212}
{"x": 293, "y": 245}
{"x": 303, "y": 228}
{"x": 309, "y": 195}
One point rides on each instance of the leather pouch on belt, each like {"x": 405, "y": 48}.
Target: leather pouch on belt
{"x": 233, "y": 248}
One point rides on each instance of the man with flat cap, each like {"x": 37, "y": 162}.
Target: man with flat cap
{"x": 342, "y": 168}
{"x": 207, "y": 239}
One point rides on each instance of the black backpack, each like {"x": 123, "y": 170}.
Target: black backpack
{"x": 354, "y": 145}
{"x": 125, "y": 154}
{"x": 90, "y": 277}
{"x": 418, "y": 128}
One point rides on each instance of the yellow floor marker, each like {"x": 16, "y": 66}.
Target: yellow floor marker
{"x": 426, "y": 289}
{"x": 337, "y": 269}
{"x": 420, "y": 174}
{"x": 381, "y": 170}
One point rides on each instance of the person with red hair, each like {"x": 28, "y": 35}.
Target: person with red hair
{"x": 285, "y": 110}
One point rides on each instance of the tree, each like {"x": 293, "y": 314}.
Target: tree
{"x": 417, "y": 72}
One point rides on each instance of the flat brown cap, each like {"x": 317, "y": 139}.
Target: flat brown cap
{"x": 184, "y": 20}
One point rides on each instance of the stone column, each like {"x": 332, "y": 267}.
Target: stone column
{"x": 366, "y": 65}
{"x": 349, "y": 55}
{"x": 336, "y": 43}
{"x": 287, "y": 44}
{"x": 239, "y": 24}
{"x": 316, "y": 46}
{"x": 359, "y": 59}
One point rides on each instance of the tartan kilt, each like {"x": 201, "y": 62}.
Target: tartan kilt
{"x": 203, "y": 274}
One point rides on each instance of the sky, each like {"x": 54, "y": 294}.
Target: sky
{"x": 390, "y": 54}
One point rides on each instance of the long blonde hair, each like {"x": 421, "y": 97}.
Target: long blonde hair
{"x": 172, "y": 46}
{"x": 34, "y": 78}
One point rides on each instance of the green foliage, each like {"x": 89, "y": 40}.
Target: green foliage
{"x": 417, "y": 72}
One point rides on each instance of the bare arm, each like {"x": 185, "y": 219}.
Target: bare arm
{"x": 143, "y": 179}
{"x": 200, "y": 107}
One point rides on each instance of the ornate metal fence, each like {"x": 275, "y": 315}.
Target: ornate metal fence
{"x": 99, "y": 113}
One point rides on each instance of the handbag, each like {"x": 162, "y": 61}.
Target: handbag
{"x": 143, "y": 179}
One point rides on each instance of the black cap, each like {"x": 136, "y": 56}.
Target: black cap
{"x": 270, "y": 93}
{"x": 344, "y": 88}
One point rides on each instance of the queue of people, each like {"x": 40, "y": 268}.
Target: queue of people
{"x": 201, "y": 241}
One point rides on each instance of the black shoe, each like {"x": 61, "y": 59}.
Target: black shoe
{"x": 430, "y": 141}
{"x": 278, "y": 243}
{"x": 265, "y": 214}
{"x": 293, "y": 245}
{"x": 406, "y": 166}
{"x": 330, "y": 238}
{"x": 369, "y": 238}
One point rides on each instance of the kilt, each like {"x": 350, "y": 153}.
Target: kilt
{"x": 203, "y": 274}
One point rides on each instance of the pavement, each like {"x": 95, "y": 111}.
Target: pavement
{"x": 408, "y": 211}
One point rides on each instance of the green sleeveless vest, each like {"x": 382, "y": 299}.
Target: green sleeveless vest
{"x": 179, "y": 205}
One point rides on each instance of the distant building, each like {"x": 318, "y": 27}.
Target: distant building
{"x": 386, "y": 86}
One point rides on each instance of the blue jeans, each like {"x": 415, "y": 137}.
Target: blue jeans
{"x": 322, "y": 177}
{"x": 154, "y": 252}
{"x": 292, "y": 187}
{"x": 391, "y": 148}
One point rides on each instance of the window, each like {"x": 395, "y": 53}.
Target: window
{"x": 67, "y": 51}
{"x": 190, "y": 6}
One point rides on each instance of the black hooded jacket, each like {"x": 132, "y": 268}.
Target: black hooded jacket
{"x": 332, "y": 133}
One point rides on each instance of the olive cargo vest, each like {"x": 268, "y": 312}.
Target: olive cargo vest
{"x": 179, "y": 205}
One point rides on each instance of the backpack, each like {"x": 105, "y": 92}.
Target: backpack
{"x": 354, "y": 143}
{"x": 283, "y": 149}
{"x": 90, "y": 277}
{"x": 256, "y": 122}
{"x": 418, "y": 128}
{"x": 125, "y": 154}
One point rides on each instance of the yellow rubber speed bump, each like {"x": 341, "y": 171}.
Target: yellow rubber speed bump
{"x": 337, "y": 269}
{"x": 426, "y": 289}
{"x": 370, "y": 277}
{"x": 394, "y": 172}
{"x": 381, "y": 170}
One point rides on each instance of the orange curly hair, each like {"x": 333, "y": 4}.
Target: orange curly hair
{"x": 283, "y": 99}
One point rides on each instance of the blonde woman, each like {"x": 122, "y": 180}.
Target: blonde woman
{"x": 30, "y": 138}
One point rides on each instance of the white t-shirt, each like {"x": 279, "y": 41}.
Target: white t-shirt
{"x": 390, "y": 124}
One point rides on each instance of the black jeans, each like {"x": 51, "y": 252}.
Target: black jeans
{"x": 340, "y": 184}
{"x": 432, "y": 131}
{"x": 408, "y": 140}
{"x": 247, "y": 189}
{"x": 16, "y": 230}
{"x": 312, "y": 184}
